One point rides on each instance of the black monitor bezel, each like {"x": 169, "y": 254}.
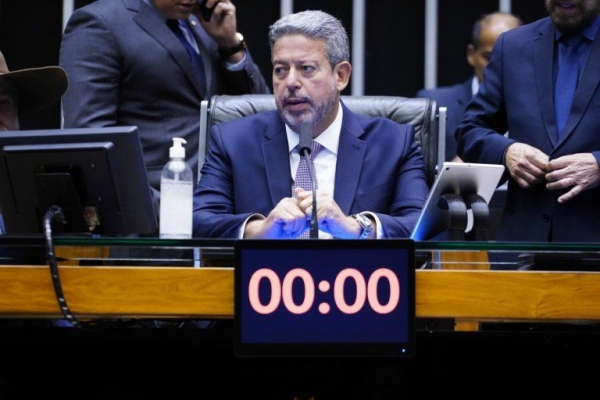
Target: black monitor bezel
{"x": 369, "y": 348}
{"x": 115, "y": 151}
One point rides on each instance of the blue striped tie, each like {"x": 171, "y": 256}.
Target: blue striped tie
{"x": 176, "y": 26}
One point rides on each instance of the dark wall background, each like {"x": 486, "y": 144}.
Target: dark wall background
{"x": 32, "y": 39}
{"x": 395, "y": 35}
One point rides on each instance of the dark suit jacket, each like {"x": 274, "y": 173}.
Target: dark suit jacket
{"x": 517, "y": 95}
{"x": 455, "y": 98}
{"x": 247, "y": 170}
{"x": 126, "y": 67}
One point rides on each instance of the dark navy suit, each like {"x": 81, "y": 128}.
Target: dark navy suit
{"x": 455, "y": 98}
{"x": 517, "y": 95}
{"x": 247, "y": 170}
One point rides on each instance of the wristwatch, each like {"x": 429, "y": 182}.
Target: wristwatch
{"x": 225, "y": 52}
{"x": 365, "y": 223}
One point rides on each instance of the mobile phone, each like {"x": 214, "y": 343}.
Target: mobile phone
{"x": 205, "y": 11}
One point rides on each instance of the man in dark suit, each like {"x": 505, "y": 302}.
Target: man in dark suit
{"x": 370, "y": 172}
{"x": 129, "y": 65}
{"x": 456, "y": 97}
{"x": 553, "y": 174}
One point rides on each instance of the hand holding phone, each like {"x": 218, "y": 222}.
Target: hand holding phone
{"x": 205, "y": 11}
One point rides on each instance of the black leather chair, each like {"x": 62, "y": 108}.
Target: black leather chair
{"x": 422, "y": 113}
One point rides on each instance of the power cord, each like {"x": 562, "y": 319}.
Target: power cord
{"x": 55, "y": 213}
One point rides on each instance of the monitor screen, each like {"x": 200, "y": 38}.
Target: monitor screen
{"x": 97, "y": 176}
{"x": 324, "y": 298}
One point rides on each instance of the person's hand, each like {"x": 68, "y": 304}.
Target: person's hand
{"x": 576, "y": 171}
{"x": 286, "y": 220}
{"x": 331, "y": 218}
{"x": 526, "y": 164}
{"x": 222, "y": 26}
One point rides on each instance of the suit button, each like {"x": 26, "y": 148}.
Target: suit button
{"x": 546, "y": 217}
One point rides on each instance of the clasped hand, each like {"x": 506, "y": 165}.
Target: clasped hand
{"x": 291, "y": 217}
{"x": 529, "y": 166}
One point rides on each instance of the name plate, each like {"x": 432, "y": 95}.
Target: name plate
{"x": 325, "y": 298}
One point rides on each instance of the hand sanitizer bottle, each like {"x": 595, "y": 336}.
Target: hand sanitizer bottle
{"x": 176, "y": 195}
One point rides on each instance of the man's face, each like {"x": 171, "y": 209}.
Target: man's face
{"x": 9, "y": 119}
{"x": 478, "y": 57}
{"x": 305, "y": 86}
{"x": 174, "y": 9}
{"x": 572, "y": 15}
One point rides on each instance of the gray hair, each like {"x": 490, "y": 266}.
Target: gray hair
{"x": 315, "y": 25}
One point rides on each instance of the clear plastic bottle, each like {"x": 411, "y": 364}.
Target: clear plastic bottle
{"x": 176, "y": 195}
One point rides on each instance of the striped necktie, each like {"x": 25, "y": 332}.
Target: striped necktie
{"x": 178, "y": 27}
{"x": 302, "y": 179}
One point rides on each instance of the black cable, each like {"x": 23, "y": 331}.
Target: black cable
{"x": 55, "y": 213}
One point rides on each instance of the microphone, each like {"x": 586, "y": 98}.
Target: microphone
{"x": 304, "y": 148}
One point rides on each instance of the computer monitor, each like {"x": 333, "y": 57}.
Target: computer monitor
{"x": 97, "y": 176}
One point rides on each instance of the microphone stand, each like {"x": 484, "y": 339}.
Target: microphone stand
{"x": 304, "y": 148}
{"x": 314, "y": 221}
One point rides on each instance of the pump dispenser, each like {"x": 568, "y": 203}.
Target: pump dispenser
{"x": 176, "y": 195}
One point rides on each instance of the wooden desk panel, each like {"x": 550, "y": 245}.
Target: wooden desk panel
{"x": 144, "y": 292}
{"x": 119, "y": 291}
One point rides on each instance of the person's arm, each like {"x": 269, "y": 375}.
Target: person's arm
{"x": 242, "y": 75}
{"x": 214, "y": 209}
{"x": 89, "y": 56}
{"x": 247, "y": 80}
{"x": 409, "y": 194}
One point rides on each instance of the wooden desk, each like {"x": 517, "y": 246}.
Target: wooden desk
{"x": 149, "y": 292}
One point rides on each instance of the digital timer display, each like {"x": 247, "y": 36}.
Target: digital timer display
{"x": 324, "y": 297}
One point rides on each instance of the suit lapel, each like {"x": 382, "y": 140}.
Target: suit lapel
{"x": 155, "y": 26}
{"x": 543, "y": 49}
{"x": 586, "y": 88}
{"x": 277, "y": 159}
{"x": 351, "y": 153}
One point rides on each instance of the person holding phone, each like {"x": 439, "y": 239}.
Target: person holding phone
{"x": 150, "y": 63}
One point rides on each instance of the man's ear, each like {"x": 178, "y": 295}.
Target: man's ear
{"x": 342, "y": 73}
{"x": 470, "y": 55}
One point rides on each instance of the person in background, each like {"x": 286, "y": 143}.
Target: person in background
{"x": 27, "y": 91}
{"x": 553, "y": 149}
{"x": 149, "y": 63}
{"x": 370, "y": 172}
{"x": 455, "y": 98}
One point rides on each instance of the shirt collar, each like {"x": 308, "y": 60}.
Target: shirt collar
{"x": 329, "y": 138}
{"x": 474, "y": 85}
